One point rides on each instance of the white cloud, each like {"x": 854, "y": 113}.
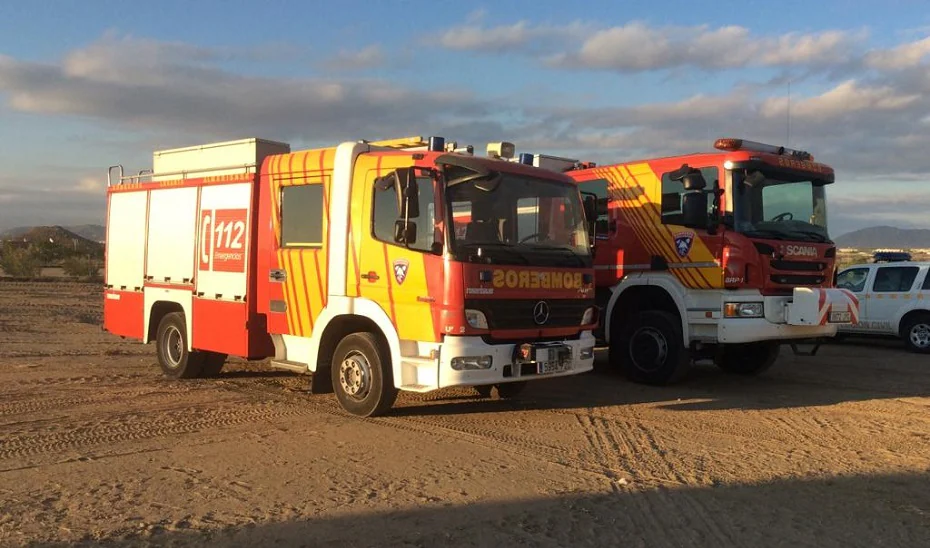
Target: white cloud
{"x": 156, "y": 85}
{"x": 518, "y": 36}
{"x": 906, "y": 55}
{"x": 638, "y": 47}
{"x": 91, "y": 185}
{"x": 846, "y": 98}
{"x": 365, "y": 58}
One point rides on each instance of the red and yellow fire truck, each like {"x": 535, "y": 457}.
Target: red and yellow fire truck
{"x": 340, "y": 262}
{"x": 722, "y": 255}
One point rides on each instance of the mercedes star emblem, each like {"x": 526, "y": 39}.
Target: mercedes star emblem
{"x": 541, "y": 312}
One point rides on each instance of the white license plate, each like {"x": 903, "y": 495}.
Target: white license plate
{"x": 840, "y": 317}
{"x": 546, "y": 368}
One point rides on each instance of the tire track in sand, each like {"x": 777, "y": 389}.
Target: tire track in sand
{"x": 140, "y": 427}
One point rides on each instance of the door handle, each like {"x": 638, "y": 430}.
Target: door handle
{"x": 372, "y": 276}
{"x": 277, "y": 275}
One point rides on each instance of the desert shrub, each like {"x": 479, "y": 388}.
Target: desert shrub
{"x": 81, "y": 267}
{"x": 20, "y": 263}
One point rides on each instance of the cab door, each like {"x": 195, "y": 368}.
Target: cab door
{"x": 892, "y": 289}
{"x": 404, "y": 276}
{"x": 692, "y": 253}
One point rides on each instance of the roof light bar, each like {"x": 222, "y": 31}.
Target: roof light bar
{"x": 731, "y": 144}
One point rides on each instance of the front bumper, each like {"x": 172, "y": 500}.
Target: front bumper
{"x": 503, "y": 369}
{"x": 746, "y": 330}
{"x": 809, "y": 313}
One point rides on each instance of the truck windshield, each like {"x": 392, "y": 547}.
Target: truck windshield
{"x": 779, "y": 207}
{"x": 522, "y": 221}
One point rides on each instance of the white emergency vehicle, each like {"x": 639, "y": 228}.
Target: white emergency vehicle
{"x": 894, "y": 299}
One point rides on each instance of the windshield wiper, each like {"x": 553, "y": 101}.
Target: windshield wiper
{"x": 765, "y": 233}
{"x": 578, "y": 258}
{"x": 812, "y": 235}
{"x": 496, "y": 246}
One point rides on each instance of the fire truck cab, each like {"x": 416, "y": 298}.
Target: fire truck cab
{"x": 346, "y": 263}
{"x": 722, "y": 255}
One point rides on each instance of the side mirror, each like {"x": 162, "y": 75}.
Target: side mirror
{"x": 405, "y": 232}
{"x": 408, "y": 193}
{"x": 694, "y": 209}
{"x": 690, "y": 178}
{"x": 590, "y": 207}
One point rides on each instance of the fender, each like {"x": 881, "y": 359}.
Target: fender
{"x": 667, "y": 282}
{"x": 905, "y": 310}
{"x": 308, "y": 349}
{"x": 182, "y": 297}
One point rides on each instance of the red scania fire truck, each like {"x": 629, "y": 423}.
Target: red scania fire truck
{"x": 342, "y": 262}
{"x": 722, "y": 255}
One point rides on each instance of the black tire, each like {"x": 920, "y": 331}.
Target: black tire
{"x": 484, "y": 390}
{"x": 362, "y": 378}
{"x": 916, "y": 333}
{"x": 510, "y": 390}
{"x": 649, "y": 349}
{"x": 213, "y": 363}
{"x": 747, "y": 359}
{"x": 176, "y": 361}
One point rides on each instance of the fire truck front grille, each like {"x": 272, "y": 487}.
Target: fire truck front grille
{"x": 798, "y": 266}
{"x": 795, "y": 279}
{"x": 519, "y": 313}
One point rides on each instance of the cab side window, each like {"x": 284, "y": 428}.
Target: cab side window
{"x": 926, "y": 285}
{"x": 672, "y": 192}
{"x": 385, "y": 213}
{"x": 302, "y": 216}
{"x": 890, "y": 279}
{"x": 853, "y": 279}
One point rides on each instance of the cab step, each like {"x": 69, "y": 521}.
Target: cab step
{"x": 296, "y": 367}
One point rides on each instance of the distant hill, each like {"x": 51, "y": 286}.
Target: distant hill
{"x": 96, "y": 233}
{"x": 885, "y": 237}
{"x": 55, "y": 243}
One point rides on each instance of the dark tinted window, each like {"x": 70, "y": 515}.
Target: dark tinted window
{"x": 926, "y": 281}
{"x": 385, "y": 214}
{"x": 302, "y": 215}
{"x": 673, "y": 190}
{"x": 894, "y": 278}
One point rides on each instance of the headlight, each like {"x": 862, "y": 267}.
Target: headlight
{"x": 743, "y": 310}
{"x": 476, "y": 319}
{"x": 590, "y": 316}
{"x": 466, "y": 363}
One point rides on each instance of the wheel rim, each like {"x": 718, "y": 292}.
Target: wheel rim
{"x": 174, "y": 347}
{"x": 355, "y": 375}
{"x": 920, "y": 335}
{"x": 648, "y": 349}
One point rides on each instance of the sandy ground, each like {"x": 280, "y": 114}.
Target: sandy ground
{"x": 97, "y": 448}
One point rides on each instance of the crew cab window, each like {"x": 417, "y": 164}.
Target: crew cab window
{"x": 926, "y": 285}
{"x": 385, "y": 213}
{"x": 673, "y": 190}
{"x": 853, "y": 279}
{"x": 894, "y": 279}
{"x": 302, "y": 216}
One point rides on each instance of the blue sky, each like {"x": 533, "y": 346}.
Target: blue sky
{"x": 88, "y": 84}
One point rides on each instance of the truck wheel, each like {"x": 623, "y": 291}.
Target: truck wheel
{"x": 362, "y": 378}
{"x": 213, "y": 363}
{"x": 747, "y": 359}
{"x": 916, "y": 334}
{"x": 176, "y": 361}
{"x": 648, "y": 348}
